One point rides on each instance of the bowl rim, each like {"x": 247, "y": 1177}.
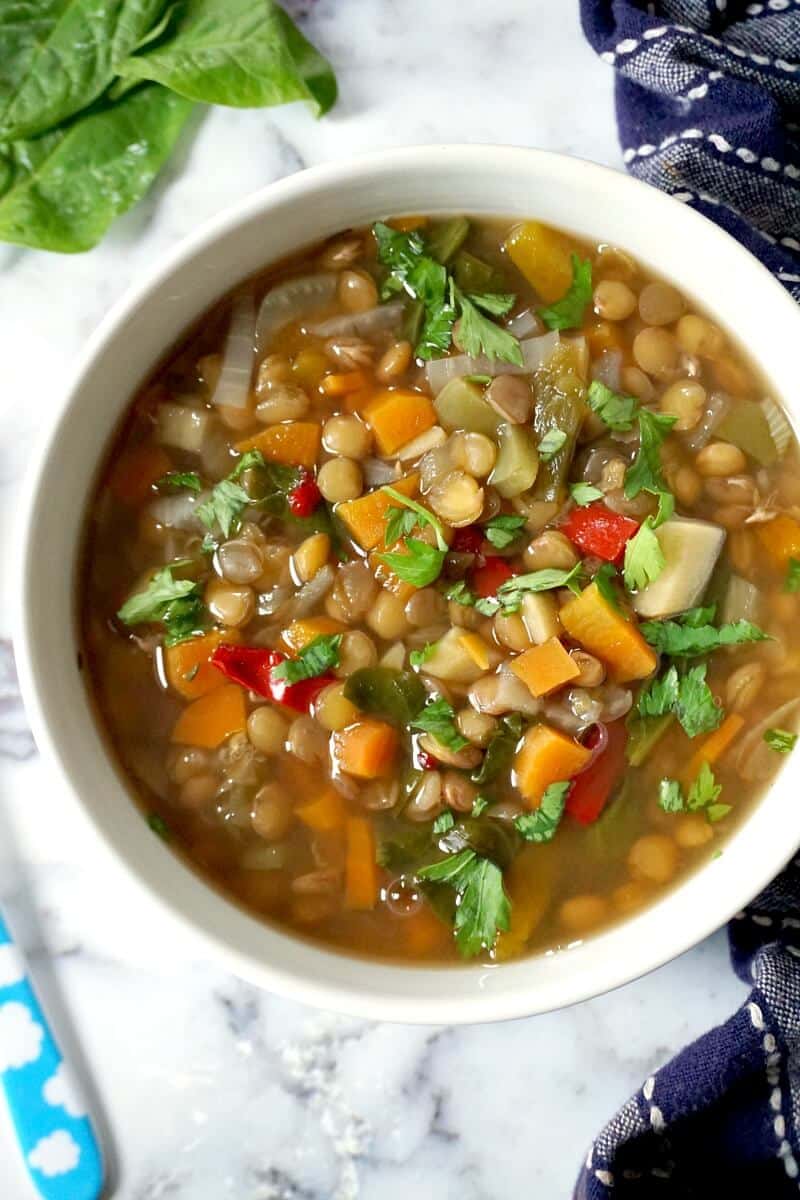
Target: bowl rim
{"x": 390, "y": 994}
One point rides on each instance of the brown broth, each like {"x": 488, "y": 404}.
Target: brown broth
{"x": 290, "y": 873}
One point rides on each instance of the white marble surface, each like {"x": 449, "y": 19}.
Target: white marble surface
{"x": 208, "y": 1088}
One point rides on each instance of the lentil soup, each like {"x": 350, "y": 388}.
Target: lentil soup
{"x": 441, "y": 590}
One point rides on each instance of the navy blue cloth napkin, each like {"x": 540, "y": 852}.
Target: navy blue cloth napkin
{"x": 708, "y": 108}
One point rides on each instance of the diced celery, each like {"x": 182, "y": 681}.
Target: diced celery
{"x": 447, "y": 238}
{"x": 472, "y": 274}
{"x": 560, "y": 404}
{"x": 643, "y": 735}
{"x": 745, "y": 424}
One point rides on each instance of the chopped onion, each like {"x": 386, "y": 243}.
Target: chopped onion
{"x": 288, "y": 301}
{"x": 273, "y": 600}
{"x": 312, "y": 592}
{"x": 429, "y": 440}
{"x": 183, "y": 427}
{"x": 233, "y": 384}
{"x": 362, "y": 324}
{"x": 536, "y": 351}
{"x": 756, "y": 760}
{"x": 178, "y": 511}
{"x": 377, "y": 472}
{"x": 742, "y": 600}
{"x": 608, "y": 369}
{"x": 718, "y": 405}
{"x": 525, "y": 324}
{"x": 778, "y": 423}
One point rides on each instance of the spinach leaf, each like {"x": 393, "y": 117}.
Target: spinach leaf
{"x": 395, "y": 695}
{"x": 237, "y": 53}
{"x": 58, "y": 56}
{"x": 500, "y": 751}
{"x": 61, "y": 191}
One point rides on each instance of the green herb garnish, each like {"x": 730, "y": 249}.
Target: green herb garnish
{"x": 670, "y": 796}
{"x": 688, "y": 696}
{"x": 616, "y": 411}
{"x": 702, "y": 796}
{"x": 480, "y": 806}
{"x": 159, "y": 826}
{"x": 418, "y": 657}
{"x": 567, "y": 313}
{"x": 314, "y": 659}
{"x": 228, "y": 498}
{"x": 585, "y": 493}
{"x": 604, "y": 579}
{"x": 644, "y": 474}
{"x": 553, "y": 441}
{"x": 500, "y": 751}
{"x": 180, "y": 479}
{"x": 175, "y": 603}
{"x": 680, "y": 638}
{"x": 510, "y": 593}
{"x": 541, "y": 825}
{"x": 644, "y": 558}
{"x": 780, "y": 740}
{"x": 413, "y": 270}
{"x": 792, "y": 581}
{"x": 483, "y": 908}
{"x": 423, "y": 563}
{"x": 438, "y": 719}
{"x": 503, "y": 529}
{"x": 443, "y": 823}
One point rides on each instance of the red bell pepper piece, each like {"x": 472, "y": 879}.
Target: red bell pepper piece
{"x": 489, "y": 575}
{"x": 251, "y": 666}
{"x": 304, "y": 496}
{"x": 427, "y": 762}
{"x": 597, "y": 530}
{"x": 467, "y": 540}
{"x": 590, "y": 791}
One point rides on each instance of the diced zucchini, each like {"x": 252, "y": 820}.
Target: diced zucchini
{"x": 691, "y": 549}
{"x": 460, "y": 405}
{"x": 517, "y": 460}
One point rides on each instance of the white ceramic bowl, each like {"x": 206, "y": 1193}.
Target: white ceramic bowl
{"x": 591, "y": 201}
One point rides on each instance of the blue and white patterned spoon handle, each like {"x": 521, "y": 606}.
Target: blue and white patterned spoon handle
{"x": 56, "y": 1138}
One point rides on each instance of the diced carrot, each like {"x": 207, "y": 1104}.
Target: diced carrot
{"x": 546, "y": 756}
{"x": 303, "y": 631}
{"x": 545, "y": 667}
{"x": 423, "y": 933}
{"x": 397, "y": 416}
{"x": 344, "y": 384}
{"x": 714, "y": 746}
{"x": 613, "y": 637}
{"x": 137, "y": 470}
{"x": 323, "y": 815}
{"x": 294, "y": 443}
{"x": 781, "y": 538}
{"x": 187, "y": 667}
{"x": 360, "y": 868}
{"x": 386, "y": 577}
{"x": 365, "y": 518}
{"x": 358, "y": 402}
{"x": 210, "y": 720}
{"x": 477, "y": 649}
{"x": 543, "y": 257}
{"x": 407, "y": 224}
{"x": 365, "y": 749}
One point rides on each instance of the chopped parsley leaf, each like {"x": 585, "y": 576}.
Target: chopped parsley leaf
{"x": 475, "y": 334}
{"x": 420, "y": 566}
{"x": 483, "y": 907}
{"x": 159, "y": 826}
{"x": 685, "y": 640}
{"x": 418, "y": 657}
{"x": 541, "y": 824}
{"x": 175, "y": 603}
{"x": 704, "y": 791}
{"x": 644, "y": 474}
{"x": 604, "y": 578}
{"x": 444, "y": 822}
{"x": 567, "y": 313}
{"x": 438, "y": 718}
{"x": 616, "y": 411}
{"x": 585, "y": 493}
{"x": 480, "y": 806}
{"x": 510, "y": 593}
{"x": 688, "y": 696}
{"x": 553, "y": 441}
{"x": 644, "y": 558}
{"x": 670, "y": 796}
{"x": 180, "y": 479}
{"x": 228, "y": 498}
{"x": 780, "y": 740}
{"x": 503, "y": 529}
{"x": 314, "y": 659}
